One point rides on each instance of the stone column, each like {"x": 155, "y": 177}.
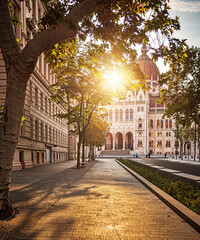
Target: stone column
{"x": 124, "y": 141}
{"x": 113, "y": 142}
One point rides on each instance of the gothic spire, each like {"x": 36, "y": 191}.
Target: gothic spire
{"x": 144, "y": 49}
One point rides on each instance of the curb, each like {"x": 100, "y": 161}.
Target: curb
{"x": 185, "y": 213}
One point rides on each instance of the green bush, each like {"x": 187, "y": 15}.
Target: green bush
{"x": 183, "y": 192}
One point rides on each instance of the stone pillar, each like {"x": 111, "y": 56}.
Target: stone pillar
{"x": 113, "y": 142}
{"x": 124, "y": 141}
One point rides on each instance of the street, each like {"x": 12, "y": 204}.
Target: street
{"x": 100, "y": 201}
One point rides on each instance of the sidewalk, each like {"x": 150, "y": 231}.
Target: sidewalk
{"x": 180, "y": 171}
{"x": 100, "y": 201}
{"x": 185, "y": 160}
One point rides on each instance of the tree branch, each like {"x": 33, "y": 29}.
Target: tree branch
{"x": 67, "y": 29}
{"x": 8, "y": 43}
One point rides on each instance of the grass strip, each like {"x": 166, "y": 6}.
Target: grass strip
{"x": 183, "y": 192}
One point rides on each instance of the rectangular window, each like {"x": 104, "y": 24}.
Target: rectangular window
{"x": 46, "y": 133}
{"x": 50, "y": 134}
{"x": 40, "y": 63}
{"x": 41, "y": 100}
{"x": 46, "y": 105}
{"x": 58, "y": 138}
{"x": 31, "y": 126}
{"x": 31, "y": 92}
{"x": 48, "y": 78}
{"x": 150, "y": 134}
{"x": 49, "y": 107}
{"x": 42, "y": 132}
{"x": 36, "y": 96}
{"x": 45, "y": 70}
{"x": 34, "y": 8}
{"x": 36, "y": 129}
{"x": 39, "y": 13}
{"x": 139, "y": 143}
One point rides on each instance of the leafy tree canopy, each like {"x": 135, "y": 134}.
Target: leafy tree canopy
{"x": 182, "y": 91}
{"x": 120, "y": 24}
{"x": 97, "y": 130}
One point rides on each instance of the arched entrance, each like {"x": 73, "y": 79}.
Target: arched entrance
{"x": 187, "y": 148}
{"x": 109, "y": 141}
{"x": 129, "y": 141}
{"x": 118, "y": 141}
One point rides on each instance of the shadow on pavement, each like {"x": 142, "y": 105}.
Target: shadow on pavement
{"x": 40, "y": 199}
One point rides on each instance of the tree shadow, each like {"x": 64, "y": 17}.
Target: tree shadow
{"x": 40, "y": 199}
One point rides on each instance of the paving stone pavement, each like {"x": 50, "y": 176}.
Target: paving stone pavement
{"x": 105, "y": 202}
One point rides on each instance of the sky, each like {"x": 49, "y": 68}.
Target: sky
{"x": 189, "y": 13}
{"x": 189, "y": 17}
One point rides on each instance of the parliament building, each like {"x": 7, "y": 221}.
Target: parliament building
{"x": 137, "y": 125}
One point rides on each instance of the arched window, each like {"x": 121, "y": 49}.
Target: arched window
{"x": 151, "y": 143}
{"x": 131, "y": 114}
{"x": 159, "y": 143}
{"x": 127, "y": 114}
{"x": 176, "y": 144}
{"x": 161, "y": 123}
{"x": 168, "y": 144}
{"x": 116, "y": 115}
{"x": 139, "y": 143}
{"x": 170, "y": 123}
{"x": 158, "y": 123}
{"x": 139, "y": 123}
{"x": 151, "y": 123}
{"x": 121, "y": 115}
{"x": 166, "y": 123}
{"x": 110, "y": 115}
{"x": 140, "y": 97}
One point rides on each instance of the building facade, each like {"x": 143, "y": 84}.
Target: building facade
{"x": 44, "y": 137}
{"x": 136, "y": 122}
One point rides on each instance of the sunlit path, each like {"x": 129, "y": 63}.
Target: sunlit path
{"x": 109, "y": 203}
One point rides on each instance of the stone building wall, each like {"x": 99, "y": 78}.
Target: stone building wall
{"x": 43, "y": 136}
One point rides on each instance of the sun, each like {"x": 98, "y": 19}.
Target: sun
{"x": 113, "y": 80}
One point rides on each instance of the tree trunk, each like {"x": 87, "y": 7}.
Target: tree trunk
{"x": 199, "y": 140}
{"x": 92, "y": 153}
{"x": 9, "y": 130}
{"x": 79, "y": 150}
{"x": 19, "y": 66}
{"x": 83, "y": 149}
{"x": 181, "y": 150}
{"x": 195, "y": 140}
{"x": 78, "y": 155}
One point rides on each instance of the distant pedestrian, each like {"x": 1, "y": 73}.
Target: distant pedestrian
{"x": 149, "y": 155}
{"x": 165, "y": 155}
{"x": 136, "y": 155}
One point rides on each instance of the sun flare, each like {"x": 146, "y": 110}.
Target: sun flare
{"x": 114, "y": 80}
